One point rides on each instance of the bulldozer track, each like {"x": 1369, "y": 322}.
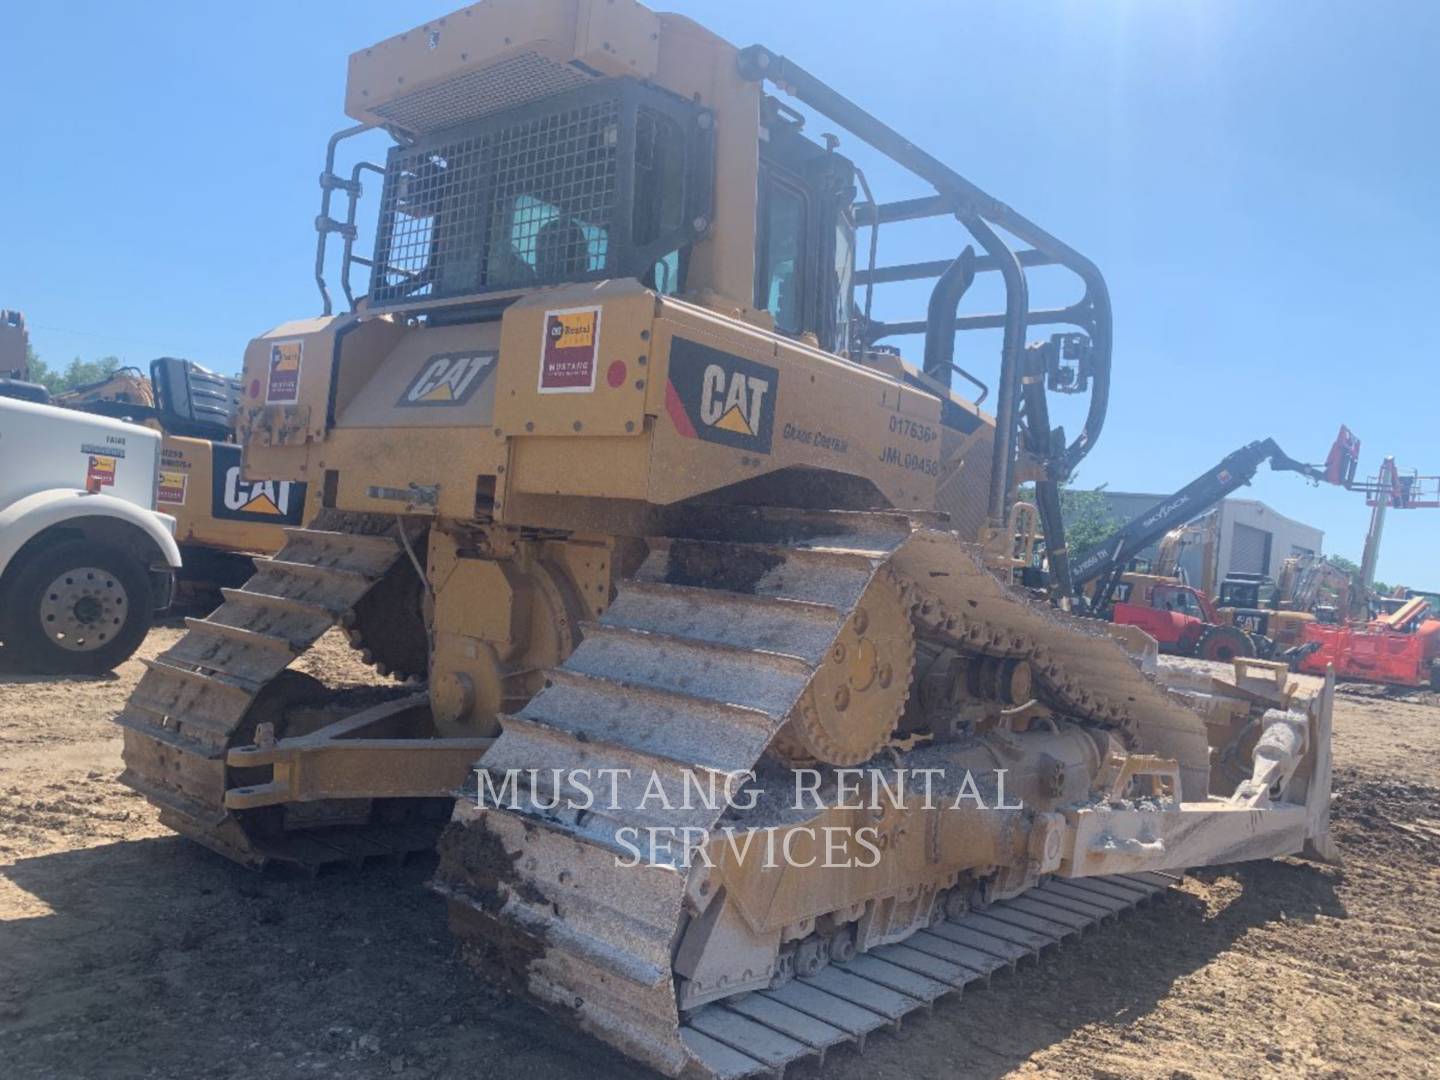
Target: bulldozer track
{"x": 767, "y": 1030}
{"x": 207, "y": 692}
{"x": 697, "y": 664}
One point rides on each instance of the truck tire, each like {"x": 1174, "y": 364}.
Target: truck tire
{"x": 77, "y": 608}
{"x": 1223, "y": 644}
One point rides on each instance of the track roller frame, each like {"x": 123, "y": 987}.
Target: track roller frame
{"x": 359, "y": 757}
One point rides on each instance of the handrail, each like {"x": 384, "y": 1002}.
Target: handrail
{"x": 1007, "y": 402}
{"x": 324, "y": 223}
{"x": 869, "y": 274}
{"x": 348, "y": 255}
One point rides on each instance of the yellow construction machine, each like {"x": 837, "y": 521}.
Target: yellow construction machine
{"x": 693, "y": 541}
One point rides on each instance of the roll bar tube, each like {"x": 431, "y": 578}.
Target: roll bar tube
{"x": 975, "y": 208}
{"x": 1007, "y": 402}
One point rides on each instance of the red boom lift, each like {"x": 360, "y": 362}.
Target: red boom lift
{"x": 1402, "y": 647}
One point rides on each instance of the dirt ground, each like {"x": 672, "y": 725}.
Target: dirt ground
{"x": 125, "y": 952}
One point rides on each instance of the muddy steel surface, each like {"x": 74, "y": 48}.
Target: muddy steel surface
{"x": 709, "y": 655}
{"x": 128, "y": 952}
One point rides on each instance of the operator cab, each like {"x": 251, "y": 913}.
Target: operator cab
{"x": 804, "y": 231}
{"x": 607, "y": 180}
{"x": 1248, "y": 591}
{"x": 610, "y": 180}
{"x": 1177, "y": 598}
{"x": 191, "y": 400}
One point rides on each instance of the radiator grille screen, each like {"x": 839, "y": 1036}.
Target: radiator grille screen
{"x": 522, "y": 78}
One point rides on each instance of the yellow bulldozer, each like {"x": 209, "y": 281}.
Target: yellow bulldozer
{"x": 702, "y": 559}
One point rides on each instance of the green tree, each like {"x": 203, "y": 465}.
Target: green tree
{"x": 77, "y": 373}
{"x": 1088, "y": 517}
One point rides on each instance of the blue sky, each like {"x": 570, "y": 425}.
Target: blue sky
{"x": 1257, "y": 180}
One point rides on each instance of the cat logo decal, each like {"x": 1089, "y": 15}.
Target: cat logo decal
{"x": 233, "y": 498}
{"x": 720, "y": 397}
{"x": 448, "y": 379}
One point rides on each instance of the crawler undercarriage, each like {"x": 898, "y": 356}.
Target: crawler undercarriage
{"x": 979, "y": 777}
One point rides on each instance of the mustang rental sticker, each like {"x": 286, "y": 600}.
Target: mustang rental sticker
{"x": 568, "y": 354}
{"x": 283, "y": 385}
{"x": 101, "y": 471}
{"x": 172, "y": 487}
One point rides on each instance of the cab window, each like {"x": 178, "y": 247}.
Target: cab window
{"x": 1176, "y": 600}
{"x": 843, "y": 288}
{"x": 780, "y": 280}
{"x": 664, "y": 275}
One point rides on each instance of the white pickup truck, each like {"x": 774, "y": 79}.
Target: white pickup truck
{"x": 85, "y": 560}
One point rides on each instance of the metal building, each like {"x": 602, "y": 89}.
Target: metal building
{"x": 1244, "y": 536}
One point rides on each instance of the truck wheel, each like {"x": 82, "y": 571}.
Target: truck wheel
{"x": 77, "y": 609}
{"x": 1223, "y": 643}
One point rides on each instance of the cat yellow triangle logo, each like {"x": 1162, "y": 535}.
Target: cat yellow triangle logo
{"x": 720, "y": 397}
{"x": 261, "y": 504}
{"x": 448, "y": 379}
{"x": 734, "y": 421}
